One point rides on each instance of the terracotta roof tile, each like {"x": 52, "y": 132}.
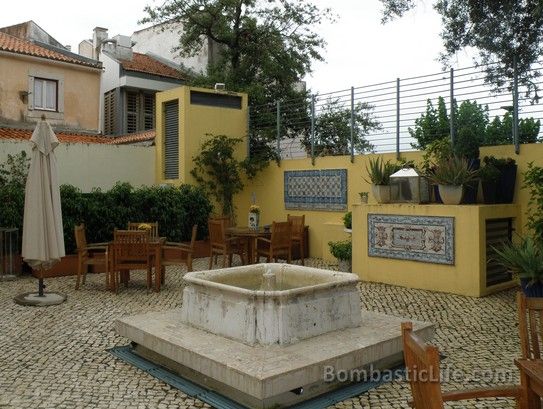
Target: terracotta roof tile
{"x": 63, "y": 137}
{"x": 16, "y": 45}
{"x": 149, "y": 65}
{"x": 133, "y": 138}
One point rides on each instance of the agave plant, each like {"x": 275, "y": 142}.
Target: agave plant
{"x": 452, "y": 171}
{"x": 524, "y": 259}
{"x": 379, "y": 171}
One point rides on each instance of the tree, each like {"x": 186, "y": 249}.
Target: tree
{"x": 503, "y": 32}
{"x": 431, "y": 126}
{"x": 333, "y": 129}
{"x": 264, "y": 48}
{"x": 218, "y": 171}
{"x": 499, "y": 131}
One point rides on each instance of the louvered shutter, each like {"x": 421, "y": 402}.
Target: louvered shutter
{"x": 171, "y": 140}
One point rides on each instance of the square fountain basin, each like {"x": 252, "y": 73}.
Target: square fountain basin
{"x": 304, "y": 302}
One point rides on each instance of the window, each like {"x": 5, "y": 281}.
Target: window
{"x": 45, "y": 95}
{"x": 171, "y": 140}
{"x": 215, "y": 100}
{"x": 139, "y": 111}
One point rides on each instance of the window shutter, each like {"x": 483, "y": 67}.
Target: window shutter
{"x": 60, "y": 96}
{"x": 171, "y": 140}
{"x": 148, "y": 111}
{"x": 131, "y": 112}
{"x": 109, "y": 112}
{"x": 30, "y": 97}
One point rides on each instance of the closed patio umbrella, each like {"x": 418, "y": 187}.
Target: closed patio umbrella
{"x": 43, "y": 237}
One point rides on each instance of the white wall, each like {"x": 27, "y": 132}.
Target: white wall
{"x": 159, "y": 42}
{"x": 95, "y": 165}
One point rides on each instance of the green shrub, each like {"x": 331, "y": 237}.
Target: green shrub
{"x": 342, "y": 250}
{"x": 348, "y": 220}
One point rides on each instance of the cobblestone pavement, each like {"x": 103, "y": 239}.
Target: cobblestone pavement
{"x": 55, "y": 357}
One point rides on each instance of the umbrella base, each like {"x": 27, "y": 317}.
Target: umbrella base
{"x": 34, "y": 299}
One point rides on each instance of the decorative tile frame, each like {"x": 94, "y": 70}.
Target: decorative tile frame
{"x": 429, "y": 239}
{"x": 316, "y": 189}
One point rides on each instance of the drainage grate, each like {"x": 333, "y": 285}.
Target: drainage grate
{"x": 220, "y": 402}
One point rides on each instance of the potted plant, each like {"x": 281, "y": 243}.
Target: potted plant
{"x": 489, "y": 175}
{"x": 254, "y": 216}
{"x": 435, "y": 152}
{"x": 348, "y": 220}
{"x": 342, "y": 250}
{"x": 526, "y": 260}
{"x": 379, "y": 173}
{"x": 507, "y": 178}
{"x": 363, "y": 197}
{"x": 451, "y": 175}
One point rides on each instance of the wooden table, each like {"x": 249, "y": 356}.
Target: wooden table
{"x": 250, "y": 235}
{"x": 531, "y": 381}
{"x": 155, "y": 251}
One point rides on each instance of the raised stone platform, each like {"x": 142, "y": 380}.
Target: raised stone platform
{"x": 266, "y": 376}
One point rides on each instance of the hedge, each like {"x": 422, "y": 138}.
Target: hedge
{"x": 175, "y": 209}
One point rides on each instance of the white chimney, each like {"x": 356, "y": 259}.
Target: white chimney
{"x": 99, "y": 35}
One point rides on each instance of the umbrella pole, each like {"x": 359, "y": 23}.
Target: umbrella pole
{"x": 41, "y": 286}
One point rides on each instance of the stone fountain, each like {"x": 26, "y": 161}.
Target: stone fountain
{"x": 269, "y": 335}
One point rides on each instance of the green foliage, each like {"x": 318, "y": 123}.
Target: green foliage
{"x": 15, "y": 169}
{"x": 533, "y": 181}
{"x": 524, "y": 258}
{"x": 452, "y": 171}
{"x": 342, "y": 250}
{"x": 500, "y": 131}
{"x": 348, "y": 220}
{"x": 431, "y": 126}
{"x": 175, "y": 209}
{"x": 436, "y": 151}
{"x": 503, "y": 32}
{"x": 218, "y": 171}
{"x": 333, "y": 129}
{"x": 489, "y": 173}
{"x": 379, "y": 171}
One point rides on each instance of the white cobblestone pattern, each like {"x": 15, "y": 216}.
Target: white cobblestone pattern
{"x": 55, "y": 357}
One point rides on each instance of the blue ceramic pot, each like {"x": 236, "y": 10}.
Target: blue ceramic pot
{"x": 534, "y": 289}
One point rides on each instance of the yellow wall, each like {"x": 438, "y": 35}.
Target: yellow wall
{"x": 81, "y": 91}
{"x": 468, "y": 274}
{"x": 196, "y": 123}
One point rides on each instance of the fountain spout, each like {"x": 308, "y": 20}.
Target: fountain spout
{"x": 269, "y": 281}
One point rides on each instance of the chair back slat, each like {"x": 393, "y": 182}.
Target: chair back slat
{"x": 530, "y": 312}
{"x": 131, "y": 248}
{"x": 217, "y": 233}
{"x": 281, "y": 235}
{"x": 297, "y": 225}
{"x": 80, "y": 237}
{"x": 153, "y": 231}
{"x": 422, "y": 368}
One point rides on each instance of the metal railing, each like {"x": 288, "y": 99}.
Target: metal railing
{"x": 395, "y": 105}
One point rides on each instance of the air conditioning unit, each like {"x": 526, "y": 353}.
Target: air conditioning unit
{"x": 220, "y": 86}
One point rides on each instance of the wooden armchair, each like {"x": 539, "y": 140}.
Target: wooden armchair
{"x": 297, "y": 224}
{"x": 278, "y": 245}
{"x": 178, "y": 253}
{"x": 153, "y": 231}
{"x": 530, "y": 320}
{"x": 422, "y": 368}
{"x": 89, "y": 254}
{"x": 220, "y": 244}
{"x": 131, "y": 252}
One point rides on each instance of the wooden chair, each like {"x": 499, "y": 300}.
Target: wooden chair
{"x": 530, "y": 320}
{"x": 131, "y": 252}
{"x": 297, "y": 224}
{"x": 422, "y": 368}
{"x": 278, "y": 245}
{"x": 219, "y": 244}
{"x": 179, "y": 253}
{"x": 89, "y": 254}
{"x": 135, "y": 226}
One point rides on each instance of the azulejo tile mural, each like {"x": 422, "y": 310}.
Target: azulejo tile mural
{"x": 428, "y": 239}
{"x": 324, "y": 189}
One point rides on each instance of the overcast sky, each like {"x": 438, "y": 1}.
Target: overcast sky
{"x": 360, "y": 50}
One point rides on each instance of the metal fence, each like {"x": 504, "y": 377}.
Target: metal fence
{"x": 395, "y": 105}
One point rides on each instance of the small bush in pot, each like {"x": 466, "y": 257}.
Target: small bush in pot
{"x": 489, "y": 175}
{"x": 451, "y": 175}
{"x": 524, "y": 259}
{"x": 342, "y": 250}
{"x": 379, "y": 173}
